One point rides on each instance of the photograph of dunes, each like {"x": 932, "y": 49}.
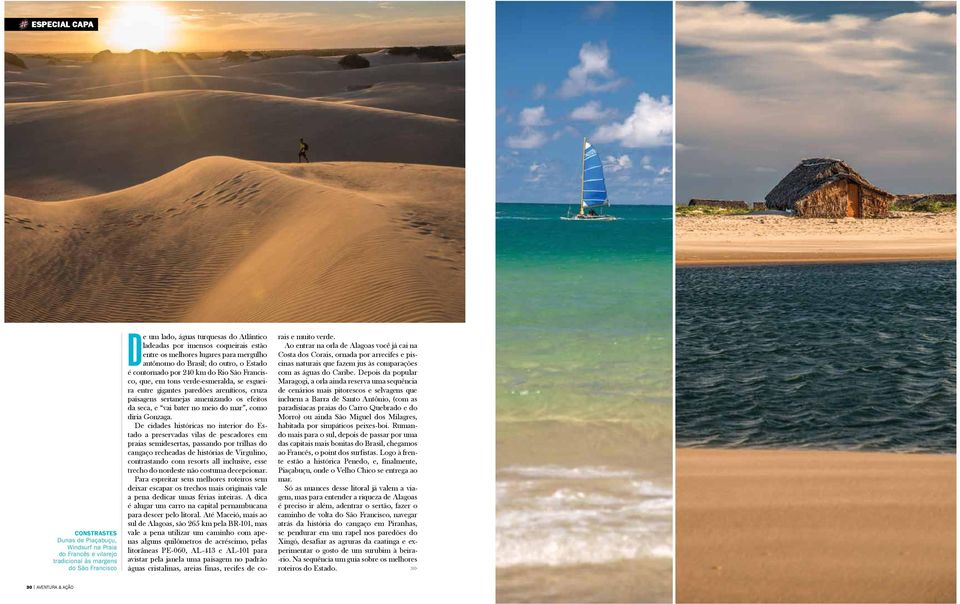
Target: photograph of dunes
{"x": 236, "y": 161}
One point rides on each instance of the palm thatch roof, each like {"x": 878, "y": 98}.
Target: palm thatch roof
{"x": 810, "y": 175}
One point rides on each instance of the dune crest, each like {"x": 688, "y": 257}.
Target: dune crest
{"x": 69, "y": 149}
{"x": 225, "y": 239}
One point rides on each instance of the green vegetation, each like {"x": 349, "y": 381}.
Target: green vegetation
{"x": 926, "y": 205}
{"x": 709, "y": 211}
{"x": 272, "y": 54}
{"x": 353, "y": 62}
{"x": 435, "y": 53}
{"x": 102, "y": 57}
{"x": 432, "y": 54}
{"x": 235, "y": 56}
{"x": 11, "y": 59}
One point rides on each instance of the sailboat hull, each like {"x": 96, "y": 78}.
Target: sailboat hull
{"x": 584, "y": 217}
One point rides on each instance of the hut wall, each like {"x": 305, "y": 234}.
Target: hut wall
{"x": 829, "y": 201}
{"x": 759, "y": 205}
{"x": 780, "y": 203}
{"x": 875, "y": 203}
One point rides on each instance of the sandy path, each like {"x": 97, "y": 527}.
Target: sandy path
{"x": 705, "y": 240}
{"x": 814, "y": 526}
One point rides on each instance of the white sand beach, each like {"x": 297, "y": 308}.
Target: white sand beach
{"x": 761, "y": 239}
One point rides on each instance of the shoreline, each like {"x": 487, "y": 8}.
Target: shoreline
{"x": 753, "y": 260}
{"x": 756, "y": 525}
{"x": 775, "y": 240}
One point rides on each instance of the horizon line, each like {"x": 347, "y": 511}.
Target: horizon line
{"x": 80, "y": 52}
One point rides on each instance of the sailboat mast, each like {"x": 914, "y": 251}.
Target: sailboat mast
{"x": 583, "y": 150}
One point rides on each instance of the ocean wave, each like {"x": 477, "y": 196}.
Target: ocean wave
{"x": 575, "y": 473}
{"x": 554, "y": 515}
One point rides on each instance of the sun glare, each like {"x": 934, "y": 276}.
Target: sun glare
{"x": 139, "y": 25}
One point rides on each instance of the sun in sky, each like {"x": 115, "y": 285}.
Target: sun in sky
{"x": 139, "y": 25}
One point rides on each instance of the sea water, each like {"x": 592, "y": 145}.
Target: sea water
{"x": 829, "y": 356}
{"x": 584, "y": 396}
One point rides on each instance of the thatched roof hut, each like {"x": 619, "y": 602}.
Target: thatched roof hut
{"x": 829, "y": 188}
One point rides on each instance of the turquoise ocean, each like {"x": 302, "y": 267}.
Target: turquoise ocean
{"x": 584, "y": 411}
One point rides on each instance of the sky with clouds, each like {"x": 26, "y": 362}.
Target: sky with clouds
{"x": 568, "y": 70}
{"x": 218, "y": 26}
{"x": 762, "y": 85}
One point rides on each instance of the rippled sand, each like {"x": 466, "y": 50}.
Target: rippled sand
{"x": 175, "y": 194}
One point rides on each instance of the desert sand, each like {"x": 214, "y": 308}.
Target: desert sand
{"x": 815, "y": 526}
{"x": 171, "y": 192}
{"x": 760, "y": 239}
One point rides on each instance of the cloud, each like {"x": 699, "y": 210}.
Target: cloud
{"x": 664, "y": 170}
{"x": 940, "y": 5}
{"x": 539, "y": 90}
{"x": 536, "y": 172}
{"x": 614, "y": 164}
{"x": 530, "y": 138}
{"x": 851, "y": 45}
{"x": 592, "y": 74}
{"x": 593, "y": 111}
{"x": 763, "y": 90}
{"x": 566, "y": 130}
{"x": 534, "y": 116}
{"x": 650, "y": 125}
{"x": 598, "y": 10}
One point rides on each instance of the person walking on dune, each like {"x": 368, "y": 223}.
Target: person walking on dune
{"x": 303, "y": 152}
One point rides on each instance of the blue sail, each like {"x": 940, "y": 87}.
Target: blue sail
{"x": 594, "y": 186}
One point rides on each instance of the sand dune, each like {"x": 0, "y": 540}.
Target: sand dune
{"x": 276, "y": 65}
{"x": 319, "y": 83}
{"x": 153, "y": 191}
{"x": 433, "y": 99}
{"x": 815, "y": 526}
{"x": 69, "y": 149}
{"x": 297, "y": 76}
{"x": 223, "y": 239}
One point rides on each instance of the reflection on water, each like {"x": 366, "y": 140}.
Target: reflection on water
{"x": 855, "y": 356}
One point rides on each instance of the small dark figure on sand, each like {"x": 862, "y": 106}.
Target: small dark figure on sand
{"x": 303, "y": 152}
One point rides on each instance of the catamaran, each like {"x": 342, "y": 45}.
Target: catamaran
{"x": 593, "y": 188}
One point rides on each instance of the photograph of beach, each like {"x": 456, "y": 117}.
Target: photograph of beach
{"x": 816, "y": 302}
{"x": 584, "y": 291}
{"x": 236, "y": 161}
